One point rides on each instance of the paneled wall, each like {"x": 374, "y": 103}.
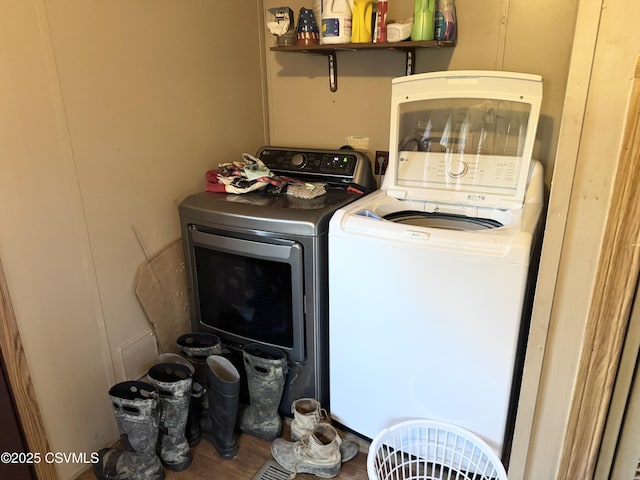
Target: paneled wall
{"x": 111, "y": 114}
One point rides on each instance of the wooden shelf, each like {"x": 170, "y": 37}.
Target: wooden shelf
{"x": 330, "y": 50}
{"x": 326, "y": 48}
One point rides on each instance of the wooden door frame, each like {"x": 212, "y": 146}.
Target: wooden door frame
{"x": 20, "y": 383}
{"x": 615, "y": 285}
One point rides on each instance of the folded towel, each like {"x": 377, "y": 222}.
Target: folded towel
{"x": 306, "y": 190}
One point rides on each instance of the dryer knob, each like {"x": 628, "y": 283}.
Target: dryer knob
{"x": 457, "y": 169}
{"x": 299, "y": 160}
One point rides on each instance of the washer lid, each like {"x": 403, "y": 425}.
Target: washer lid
{"x": 463, "y": 137}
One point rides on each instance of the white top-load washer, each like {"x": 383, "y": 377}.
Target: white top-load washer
{"x": 429, "y": 276}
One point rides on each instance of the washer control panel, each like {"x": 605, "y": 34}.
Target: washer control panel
{"x": 424, "y": 169}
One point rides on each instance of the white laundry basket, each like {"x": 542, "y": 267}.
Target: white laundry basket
{"x": 430, "y": 450}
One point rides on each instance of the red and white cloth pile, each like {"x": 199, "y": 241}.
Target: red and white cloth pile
{"x": 240, "y": 177}
{"x": 252, "y": 174}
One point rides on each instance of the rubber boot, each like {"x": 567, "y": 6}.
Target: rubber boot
{"x": 196, "y": 347}
{"x": 223, "y": 391}
{"x": 192, "y": 429}
{"x": 173, "y": 383}
{"x": 307, "y": 413}
{"x": 317, "y": 453}
{"x": 135, "y": 407}
{"x": 266, "y": 368}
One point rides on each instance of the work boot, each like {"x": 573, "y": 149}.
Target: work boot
{"x": 173, "y": 383}
{"x": 223, "y": 390}
{"x": 317, "y": 453}
{"x": 196, "y": 347}
{"x": 135, "y": 408}
{"x": 307, "y": 413}
{"x": 266, "y": 367}
{"x": 192, "y": 429}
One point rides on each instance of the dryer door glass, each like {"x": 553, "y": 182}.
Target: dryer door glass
{"x": 249, "y": 290}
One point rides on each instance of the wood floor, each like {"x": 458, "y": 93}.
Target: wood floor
{"x": 252, "y": 454}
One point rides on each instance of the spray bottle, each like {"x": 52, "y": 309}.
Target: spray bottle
{"x": 423, "y": 20}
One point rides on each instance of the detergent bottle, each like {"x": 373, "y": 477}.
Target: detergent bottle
{"x": 362, "y": 21}
{"x": 423, "y": 20}
{"x": 336, "y": 22}
{"x": 445, "y": 20}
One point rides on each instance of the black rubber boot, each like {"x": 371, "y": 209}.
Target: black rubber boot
{"x": 223, "y": 391}
{"x": 195, "y": 348}
{"x": 135, "y": 407}
{"x": 266, "y": 368}
{"x": 173, "y": 383}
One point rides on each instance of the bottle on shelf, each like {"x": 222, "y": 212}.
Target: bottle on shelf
{"x": 361, "y": 21}
{"x": 381, "y": 22}
{"x": 336, "y": 22}
{"x": 423, "y": 20}
{"x": 445, "y": 20}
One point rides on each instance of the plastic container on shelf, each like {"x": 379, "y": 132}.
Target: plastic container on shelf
{"x": 445, "y": 20}
{"x": 336, "y": 22}
{"x": 316, "y": 6}
{"x": 362, "y": 20}
{"x": 423, "y": 20}
{"x": 381, "y": 22}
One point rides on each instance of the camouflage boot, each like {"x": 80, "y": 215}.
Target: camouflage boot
{"x": 317, "y": 453}
{"x": 135, "y": 407}
{"x": 192, "y": 429}
{"x": 196, "y": 347}
{"x": 173, "y": 383}
{"x": 266, "y": 368}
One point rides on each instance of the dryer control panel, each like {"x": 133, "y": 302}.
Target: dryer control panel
{"x": 344, "y": 167}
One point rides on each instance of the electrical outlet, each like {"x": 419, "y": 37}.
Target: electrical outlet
{"x": 381, "y": 163}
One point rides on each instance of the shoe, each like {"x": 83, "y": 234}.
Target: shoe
{"x": 318, "y": 453}
{"x": 307, "y": 413}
